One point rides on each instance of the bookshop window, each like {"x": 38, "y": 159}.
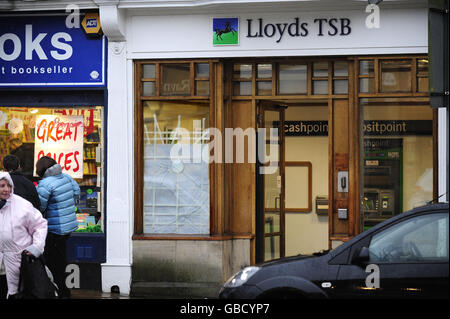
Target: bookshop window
{"x": 176, "y": 172}
{"x": 73, "y": 137}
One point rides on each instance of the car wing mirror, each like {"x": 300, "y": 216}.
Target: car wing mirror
{"x": 361, "y": 256}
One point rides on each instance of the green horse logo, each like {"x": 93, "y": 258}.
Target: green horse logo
{"x": 225, "y": 31}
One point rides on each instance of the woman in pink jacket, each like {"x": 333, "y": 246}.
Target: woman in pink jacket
{"x": 22, "y": 227}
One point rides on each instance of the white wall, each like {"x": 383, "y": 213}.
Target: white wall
{"x": 190, "y": 35}
{"x": 307, "y": 232}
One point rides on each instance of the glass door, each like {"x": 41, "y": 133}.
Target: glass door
{"x": 270, "y": 172}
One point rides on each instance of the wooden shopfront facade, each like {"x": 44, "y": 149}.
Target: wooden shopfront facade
{"x": 356, "y": 140}
{"x": 342, "y": 85}
{"x": 321, "y": 156}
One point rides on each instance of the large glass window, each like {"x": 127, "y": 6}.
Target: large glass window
{"x": 176, "y": 177}
{"x": 71, "y": 136}
{"x": 176, "y": 79}
{"x": 396, "y": 136}
{"x": 292, "y": 79}
{"x": 396, "y": 75}
{"x": 173, "y": 182}
{"x": 397, "y": 156}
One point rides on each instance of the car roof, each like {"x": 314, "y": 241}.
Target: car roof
{"x": 443, "y": 207}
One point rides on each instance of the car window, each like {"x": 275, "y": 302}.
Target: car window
{"x": 421, "y": 238}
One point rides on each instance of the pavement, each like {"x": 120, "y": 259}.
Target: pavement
{"x": 95, "y": 294}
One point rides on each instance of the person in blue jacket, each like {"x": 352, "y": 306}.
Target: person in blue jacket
{"x": 58, "y": 193}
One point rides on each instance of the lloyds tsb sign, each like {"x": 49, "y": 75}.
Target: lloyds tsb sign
{"x": 298, "y": 28}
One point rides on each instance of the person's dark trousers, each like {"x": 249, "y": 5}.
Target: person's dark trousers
{"x": 56, "y": 260}
{"x": 3, "y": 287}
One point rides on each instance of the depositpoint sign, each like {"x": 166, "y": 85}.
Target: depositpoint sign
{"x": 38, "y": 51}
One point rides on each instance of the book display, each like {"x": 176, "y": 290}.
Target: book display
{"x": 31, "y": 133}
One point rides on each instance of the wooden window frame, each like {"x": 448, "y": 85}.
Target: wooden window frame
{"x": 308, "y": 165}
{"x": 138, "y": 229}
{"x": 377, "y": 94}
{"x": 275, "y": 78}
{"x": 377, "y": 76}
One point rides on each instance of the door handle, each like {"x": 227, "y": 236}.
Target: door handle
{"x": 342, "y": 182}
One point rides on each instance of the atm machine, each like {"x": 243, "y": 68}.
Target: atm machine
{"x": 382, "y": 180}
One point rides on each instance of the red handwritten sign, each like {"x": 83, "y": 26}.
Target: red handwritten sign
{"x": 61, "y": 137}
{"x": 88, "y": 116}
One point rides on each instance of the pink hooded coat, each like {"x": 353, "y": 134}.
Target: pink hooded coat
{"x": 22, "y": 227}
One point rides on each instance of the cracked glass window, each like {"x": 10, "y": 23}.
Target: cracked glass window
{"x": 176, "y": 176}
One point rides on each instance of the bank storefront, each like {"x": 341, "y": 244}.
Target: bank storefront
{"x": 353, "y": 140}
{"x": 242, "y": 132}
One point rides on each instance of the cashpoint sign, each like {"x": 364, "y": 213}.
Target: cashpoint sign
{"x": 91, "y": 23}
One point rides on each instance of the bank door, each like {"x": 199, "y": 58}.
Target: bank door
{"x": 270, "y": 183}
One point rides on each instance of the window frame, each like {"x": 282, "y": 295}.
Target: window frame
{"x": 138, "y": 227}
{"x": 377, "y": 76}
{"x": 414, "y": 93}
{"x": 275, "y": 79}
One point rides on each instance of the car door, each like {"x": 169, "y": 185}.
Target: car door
{"x": 406, "y": 259}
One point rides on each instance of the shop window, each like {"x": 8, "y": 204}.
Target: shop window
{"x": 281, "y": 78}
{"x": 366, "y": 76}
{"x": 202, "y": 79}
{"x": 172, "y": 181}
{"x": 320, "y": 69}
{"x": 149, "y": 71}
{"x": 149, "y": 80}
{"x": 340, "y": 77}
{"x": 395, "y": 76}
{"x": 176, "y": 177}
{"x": 397, "y": 156}
{"x": 320, "y": 78}
{"x": 31, "y": 133}
{"x": 320, "y": 87}
{"x": 292, "y": 79}
{"x": 242, "y": 79}
{"x": 422, "y": 75}
{"x": 399, "y": 76}
{"x": 340, "y": 68}
{"x": 176, "y": 79}
{"x": 264, "y": 79}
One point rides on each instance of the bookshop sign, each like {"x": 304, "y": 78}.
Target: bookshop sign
{"x": 43, "y": 51}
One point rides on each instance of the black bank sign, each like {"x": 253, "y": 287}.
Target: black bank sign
{"x": 370, "y": 128}
{"x": 258, "y": 28}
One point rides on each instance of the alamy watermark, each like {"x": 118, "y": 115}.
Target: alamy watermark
{"x": 211, "y": 145}
{"x": 373, "y": 19}
{"x": 373, "y": 279}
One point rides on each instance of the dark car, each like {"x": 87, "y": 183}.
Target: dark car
{"x": 405, "y": 256}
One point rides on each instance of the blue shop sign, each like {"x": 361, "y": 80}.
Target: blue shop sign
{"x": 38, "y": 51}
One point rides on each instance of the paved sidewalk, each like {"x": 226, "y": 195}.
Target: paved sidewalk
{"x": 94, "y": 294}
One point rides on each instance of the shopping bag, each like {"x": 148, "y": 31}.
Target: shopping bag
{"x": 34, "y": 280}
